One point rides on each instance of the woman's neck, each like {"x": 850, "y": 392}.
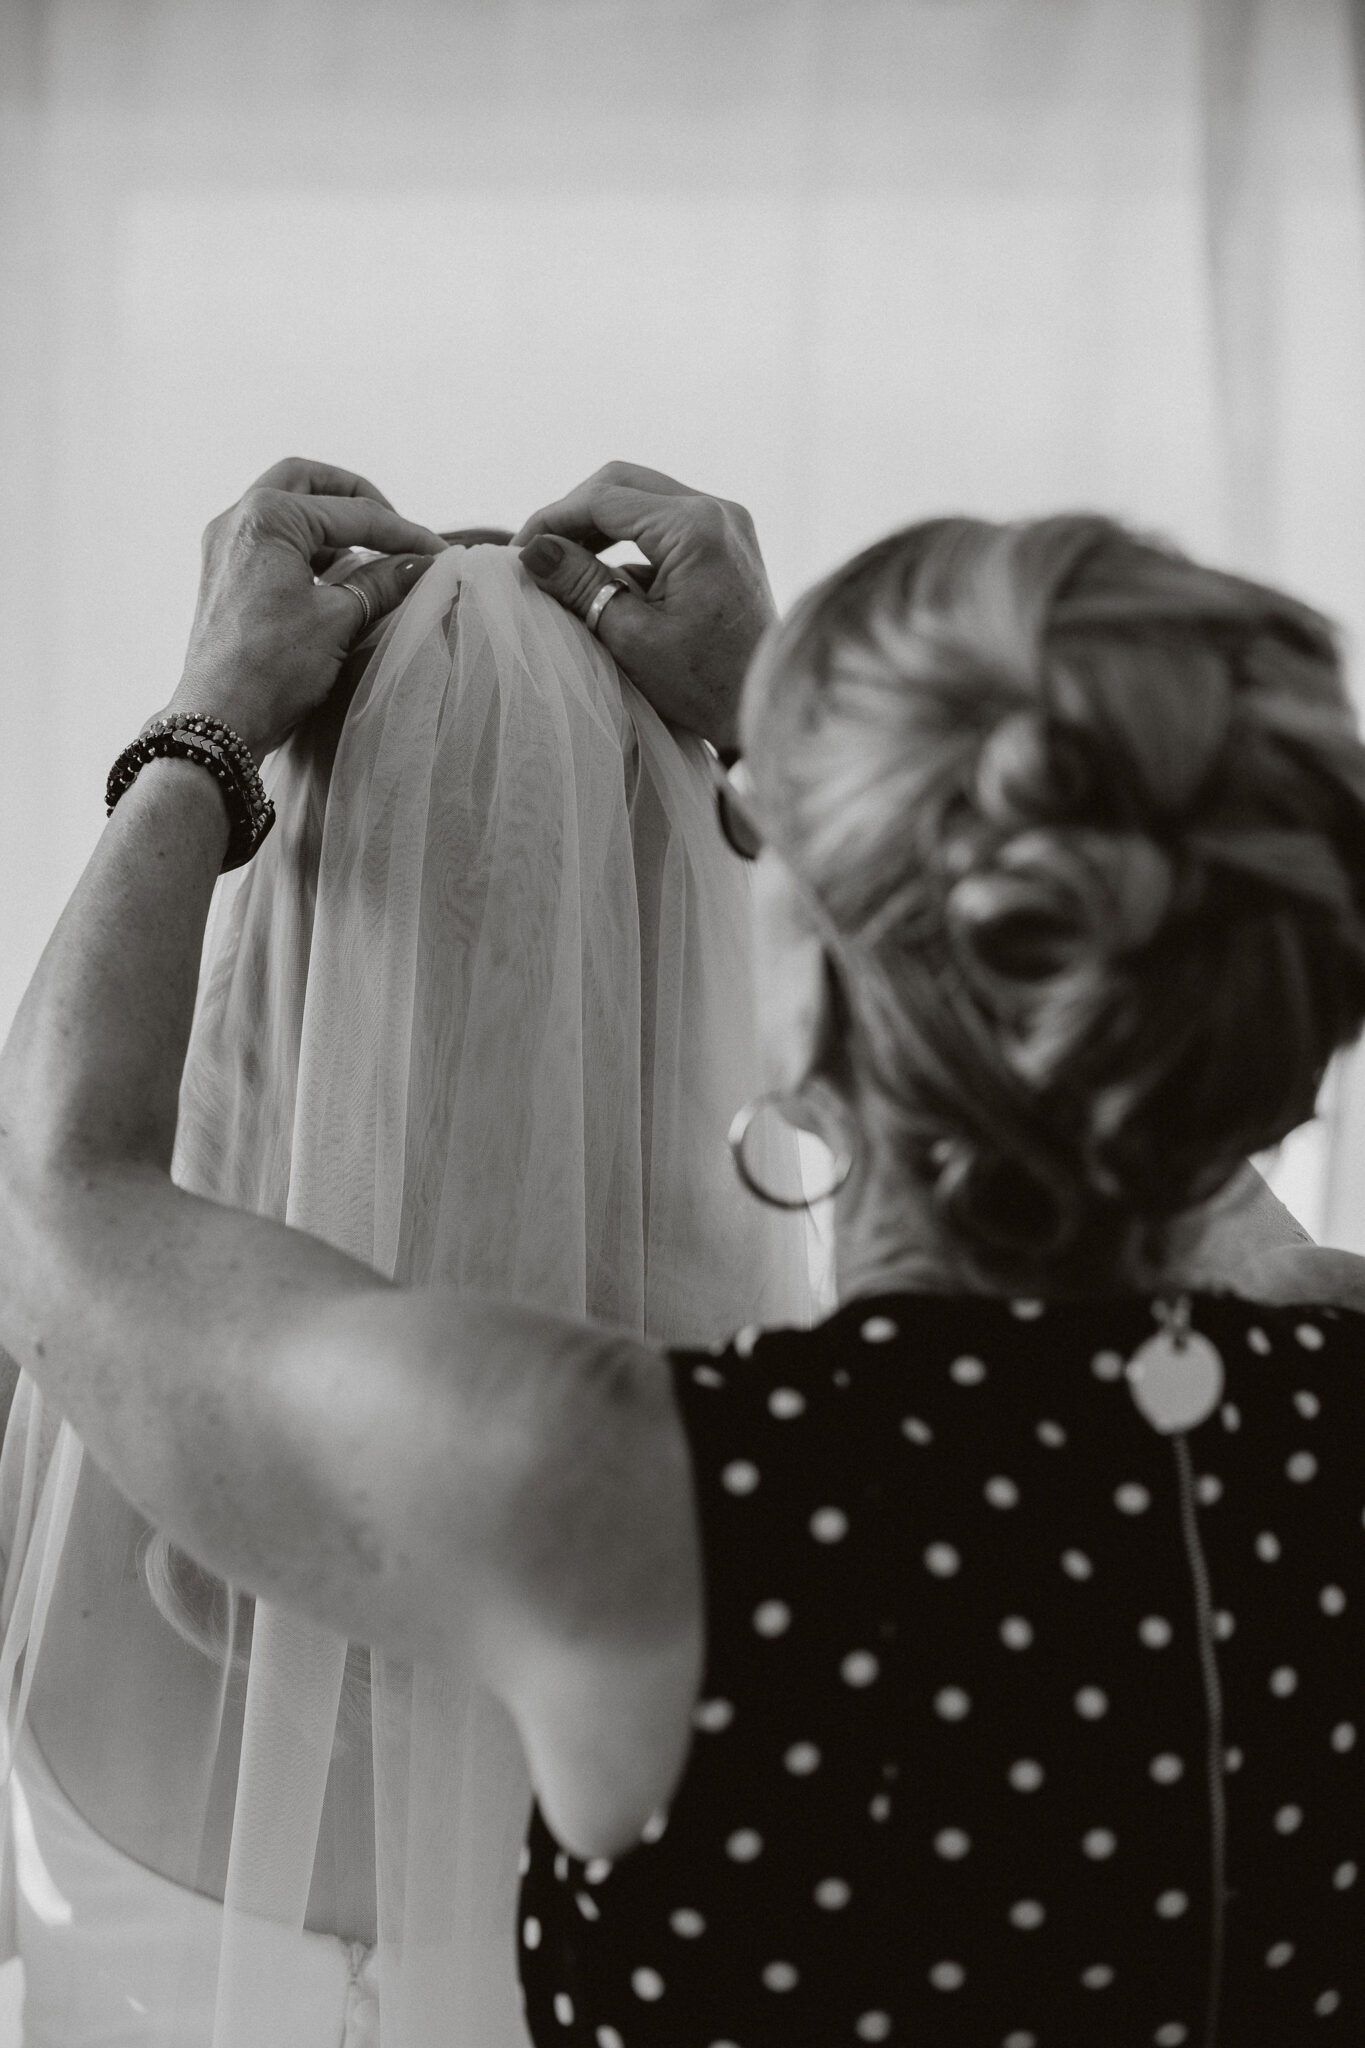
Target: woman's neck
{"x": 885, "y": 1242}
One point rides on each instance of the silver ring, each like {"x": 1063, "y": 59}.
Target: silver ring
{"x": 366, "y": 608}
{"x": 600, "y": 603}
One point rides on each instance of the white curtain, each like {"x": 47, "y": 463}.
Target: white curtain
{"x": 849, "y": 260}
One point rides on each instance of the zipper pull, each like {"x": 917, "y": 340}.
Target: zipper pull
{"x": 1176, "y": 1377}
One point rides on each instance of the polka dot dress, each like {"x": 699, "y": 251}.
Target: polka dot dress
{"x": 1013, "y": 1733}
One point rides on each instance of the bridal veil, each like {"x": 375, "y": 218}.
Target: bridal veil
{"x": 479, "y": 1012}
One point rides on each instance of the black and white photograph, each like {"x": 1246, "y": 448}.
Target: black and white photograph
{"x": 682, "y": 971}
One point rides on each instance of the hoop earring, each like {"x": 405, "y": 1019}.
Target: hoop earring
{"x": 739, "y": 1131}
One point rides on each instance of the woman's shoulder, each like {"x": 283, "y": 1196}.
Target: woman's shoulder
{"x": 1306, "y": 1274}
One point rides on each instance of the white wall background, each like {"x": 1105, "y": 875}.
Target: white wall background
{"x": 851, "y": 261}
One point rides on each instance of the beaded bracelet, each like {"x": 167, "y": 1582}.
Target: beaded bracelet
{"x": 191, "y": 736}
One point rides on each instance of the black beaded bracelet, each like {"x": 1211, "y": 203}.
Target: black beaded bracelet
{"x": 215, "y": 746}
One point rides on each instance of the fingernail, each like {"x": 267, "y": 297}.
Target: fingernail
{"x": 419, "y": 566}
{"x": 543, "y": 556}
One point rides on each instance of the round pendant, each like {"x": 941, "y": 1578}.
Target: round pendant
{"x": 1176, "y": 1381}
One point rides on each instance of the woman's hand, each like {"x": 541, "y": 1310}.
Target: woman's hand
{"x": 684, "y": 635}
{"x": 268, "y": 643}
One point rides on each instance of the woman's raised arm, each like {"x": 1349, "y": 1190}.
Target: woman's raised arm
{"x": 303, "y": 1428}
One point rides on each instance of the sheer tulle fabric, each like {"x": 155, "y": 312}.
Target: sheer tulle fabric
{"x": 479, "y": 1012}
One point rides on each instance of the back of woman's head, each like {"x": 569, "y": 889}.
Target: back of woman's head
{"x": 1084, "y": 826}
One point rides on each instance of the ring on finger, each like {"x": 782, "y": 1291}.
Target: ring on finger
{"x": 366, "y": 608}
{"x": 600, "y": 602}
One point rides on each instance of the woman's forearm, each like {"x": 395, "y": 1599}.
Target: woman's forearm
{"x": 92, "y": 1067}
{"x": 89, "y": 1081}
{"x": 91, "y": 1070}
{"x": 157, "y": 1323}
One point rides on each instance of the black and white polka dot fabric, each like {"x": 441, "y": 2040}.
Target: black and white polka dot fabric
{"x": 992, "y": 1694}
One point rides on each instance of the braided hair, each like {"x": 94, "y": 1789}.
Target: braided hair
{"x": 1085, "y": 824}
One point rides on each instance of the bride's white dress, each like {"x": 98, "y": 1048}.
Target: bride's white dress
{"x": 479, "y": 1012}
{"x": 115, "y": 1954}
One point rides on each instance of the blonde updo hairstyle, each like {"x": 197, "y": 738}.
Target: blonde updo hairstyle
{"x": 1082, "y": 827}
